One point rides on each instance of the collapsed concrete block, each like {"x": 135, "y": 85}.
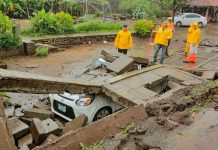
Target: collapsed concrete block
{"x": 38, "y": 131}
{"x": 121, "y": 65}
{"x": 17, "y": 128}
{"x": 209, "y": 75}
{"x": 98, "y": 130}
{"x": 76, "y": 123}
{"x": 6, "y": 142}
{"x": 50, "y": 127}
{"x": 2, "y": 109}
{"x": 38, "y": 113}
{"x": 26, "y": 140}
{"x": 42, "y": 106}
{"x": 26, "y": 120}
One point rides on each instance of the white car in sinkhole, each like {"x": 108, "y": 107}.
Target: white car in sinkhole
{"x": 70, "y": 106}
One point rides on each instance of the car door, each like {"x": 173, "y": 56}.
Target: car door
{"x": 188, "y": 20}
{"x": 196, "y": 18}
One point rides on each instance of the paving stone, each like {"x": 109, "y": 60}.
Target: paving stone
{"x": 209, "y": 75}
{"x": 6, "y": 142}
{"x": 26, "y": 140}
{"x": 42, "y": 106}
{"x": 38, "y": 131}
{"x": 121, "y": 65}
{"x": 76, "y": 123}
{"x": 38, "y": 113}
{"x": 17, "y": 128}
{"x": 51, "y": 127}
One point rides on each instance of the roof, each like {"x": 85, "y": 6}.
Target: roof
{"x": 210, "y": 3}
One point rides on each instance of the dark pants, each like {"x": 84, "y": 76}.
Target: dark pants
{"x": 123, "y": 51}
{"x": 157, "y": 48}
{"x": 168, "y": 47}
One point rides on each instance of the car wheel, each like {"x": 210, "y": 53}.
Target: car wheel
{"x": 200, "y": 25}
{"x": 103, "y": 112}
{"x": 179, "y": 24}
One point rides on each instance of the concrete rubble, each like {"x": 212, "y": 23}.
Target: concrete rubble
{"x": 26, "y": 140}
{"x": 17, "y": 128}
{"x": 76, "y": 123}
{"x": 38, "y": 113}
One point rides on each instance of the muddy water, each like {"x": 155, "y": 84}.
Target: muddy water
{"x": 201, "y": 135}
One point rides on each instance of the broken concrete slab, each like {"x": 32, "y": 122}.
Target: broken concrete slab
{"x": 26, "y": 120}
{"x": 15, "y": 81}
{"x": 50, "y": 127}
{"x": 38, "y": 131}
{"x": 17, "y": 128}
{"x": 42, "y": 106}
{"x": 38, "y": 113}
{"x": 26, "y": 140}
{"x": 98, "y": 130}
{"x": 6, "y": 142}
{"x": 50, "y": 138}
{"x": 209, "y": 75}
{"x": 121, "y": 65}
{"x": 76, "y": 123}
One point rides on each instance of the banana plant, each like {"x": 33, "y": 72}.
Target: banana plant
{"x": 6, "y": 6}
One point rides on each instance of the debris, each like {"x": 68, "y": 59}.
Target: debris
{"x": 3, "y": 65}
{"x": 209, "y": 75}
{"x": 38, "y": 131}
{"x": 18, "y": 112}
{"x": 17, "y": 128}
{"x": 171, "y": 124}
{"x": 6, "y": 142}
{"x": 76, "y": 123}
{"x": 121, "y": 65}
{"x": 26, "y": 120}
{"x": 26, "y": 140}
{"x": 50, "y": 138}
{"x": 50, "y": 127}
{"x": 42, "y": 106}
{"x": 193, "y": 114}
{"x": 216, "y": 108}
{"x": 32, "y": 66}
{"x": 38, "y": 113}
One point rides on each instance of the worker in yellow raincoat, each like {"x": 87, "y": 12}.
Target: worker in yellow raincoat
{"x": 187, "y": 47}
{"x": 163, "y": 35}
{"x": 194, "y": 42}
{"x": 171, "y": 26}
{"x": 123, "y": 41}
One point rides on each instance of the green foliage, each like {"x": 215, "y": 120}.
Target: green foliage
{"x": 64, "y": 22}
{"x": 5, "y": 23}
{"x": 96, "y": 25}
{"x": 9, "y": 40}
{"x": 44, "y": 23}
{"x": 41, "y": 51}
{"x": 83, "y": 146}
{"x": 97, "y": 146}
{"x": 143, "y": 26}
{"x": 88, "y": 17}
{"x": 47, "y": 23}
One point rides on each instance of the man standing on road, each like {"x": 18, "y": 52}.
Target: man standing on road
{"x": 194, "y": 41}
{"x": 171, "y": 26}
{"x": 123, "y": 40}
{"x": 164, "y": 34}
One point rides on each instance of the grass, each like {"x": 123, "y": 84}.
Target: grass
{"x": 41, "y": 51}
{"x": 96, "y": 146}
{"x": 128, "y": 127}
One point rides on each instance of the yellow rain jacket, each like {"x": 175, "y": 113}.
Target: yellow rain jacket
{"x": 195, "y": 35}
{"x": 190, "y": 29}
{"x": 163, "y": 35}
{"x": 123, "y": 40}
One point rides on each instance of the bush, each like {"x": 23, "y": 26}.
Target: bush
{"x": 9, "y": 40}
{"x": 47, "y": 23}
{"x": 143, "y": 26}
{"x": 96, "y": 25}
{"x": 64, "y": 22}
{"x": 41, "y": 51}
{"x": 5, "y": 23}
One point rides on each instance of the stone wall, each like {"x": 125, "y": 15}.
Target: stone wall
{"x": 11, "y": 52}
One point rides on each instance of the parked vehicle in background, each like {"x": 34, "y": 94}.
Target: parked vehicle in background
{"x": 70, "y": 106}
{"x": 185, "y": 19}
